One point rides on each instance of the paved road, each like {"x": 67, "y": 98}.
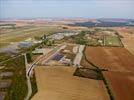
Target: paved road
{"x": 79, "y": 55}
{"x": 53, "y": 54}
{"x": 42, "y": 59}
{"x": 28, "y": 81}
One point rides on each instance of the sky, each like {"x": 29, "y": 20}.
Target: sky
{"x": 66, "y": 9}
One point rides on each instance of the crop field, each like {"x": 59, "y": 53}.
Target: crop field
{"x": 24, "y": 34}
{"x": 95, "y": 37}
{"x": 94, "y": 42}
{"x": 13, "y": 78}
{"x": 121, "y": 84}
{"x": 111, "y": 58}
{"x": 58, "y": 83}
{"x": 119, "y": 63}
{"x": 128, "y": 37}
{"x": 112, "y": 41}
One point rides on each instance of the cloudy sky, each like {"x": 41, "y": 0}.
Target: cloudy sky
{"x": 67, "y": 8}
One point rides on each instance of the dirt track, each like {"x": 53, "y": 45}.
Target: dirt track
{"x": 122, "y": 84}
{"x": 58, "y": 83}
{"x": 111, "y": 58}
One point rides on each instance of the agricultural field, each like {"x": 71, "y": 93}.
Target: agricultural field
{"x": 23, "y": 34}
{"x": 60, "y": 84}
{"x": 95, "y": 37}
{"x": 13, "y": 84}
{"x": 5, "y": 56}
{"x": 127, "y": 34}
{"x": 112, "y": 41}
{"x": 111, "y": 58}
{"x": 121, "y": 84}
{"x": 119, "y": 66}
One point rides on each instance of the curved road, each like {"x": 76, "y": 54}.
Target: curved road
{"x": 42, "y": 58}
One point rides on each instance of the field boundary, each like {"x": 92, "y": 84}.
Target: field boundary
{"x": 109, "y": 91}
{"x": 122, "y": 45}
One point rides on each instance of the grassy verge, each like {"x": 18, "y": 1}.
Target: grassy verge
{"x": 34, "y": 85}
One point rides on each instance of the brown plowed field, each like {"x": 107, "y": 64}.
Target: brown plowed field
{"x": 111, "y": 58}
{"x": 121, "y": 84}
{"x": 120, "y": 63}
{"x": 58, "y": 83}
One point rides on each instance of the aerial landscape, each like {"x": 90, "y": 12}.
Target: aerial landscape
{"x": 66, "y": 50}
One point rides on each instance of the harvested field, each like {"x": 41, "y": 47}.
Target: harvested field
{"x": 128, "y": 37}
{"x": 58, "y": 83}
{"x": 121, "y": 84}
{"x": 111, "y": 58}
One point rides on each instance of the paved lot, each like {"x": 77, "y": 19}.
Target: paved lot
{"x": 79, "y": 55}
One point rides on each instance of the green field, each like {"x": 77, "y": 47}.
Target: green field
{"x": 93, "y": 42}
{"x": 112, "y": 41}
{"x": 23, "y": 34}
